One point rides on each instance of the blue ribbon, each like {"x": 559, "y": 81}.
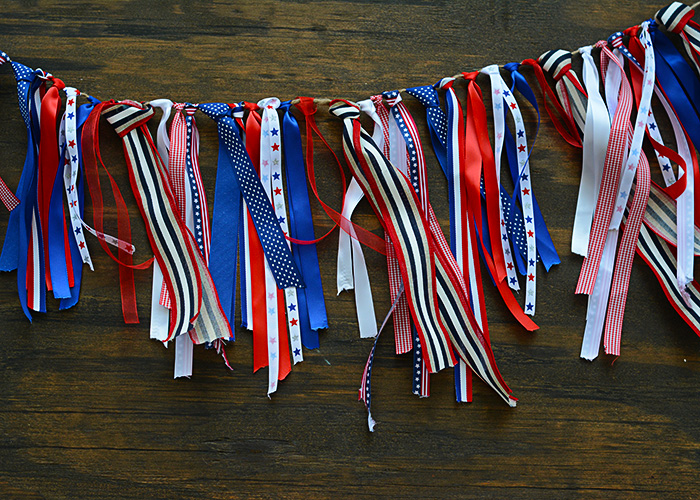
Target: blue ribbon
{"x": 311, "y": 303}
{"x": 545, "y": 246}
{"x": 226, "y": 219}
{"x": 679, "y": 82}
{"x": 274, "y": 244}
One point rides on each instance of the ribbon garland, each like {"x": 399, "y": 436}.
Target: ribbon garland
{"x": 436, "y": 292}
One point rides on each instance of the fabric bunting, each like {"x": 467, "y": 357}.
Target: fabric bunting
{"x": 259, "y": 246}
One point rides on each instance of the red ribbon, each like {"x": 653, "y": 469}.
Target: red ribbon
{"x": 91, "y": 157}
{"x": 567, "y": 130}
{"x": 308, "y": 107}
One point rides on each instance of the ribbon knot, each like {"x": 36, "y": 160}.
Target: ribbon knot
{"x": 215, "y": 110}
{"x": 675, "y": 16}
{"x": 307, "y": 106}
{"x": 393, "y": 97}
{"x": 445, "y": 83}
{"x": 269, "y": 103}
{"x": 514, "y": 66}
{"x": 4, "y": 57}
{"x": 557, "y": 62}
{"x": 426, "y": 94}
{"x": 128, "y": 115}
{"x": 344, "y": 110}
{"x": 616, "y": 39}
{"x": 470, "y": 76}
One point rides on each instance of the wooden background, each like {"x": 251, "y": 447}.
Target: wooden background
{"x": 88, "y": 407}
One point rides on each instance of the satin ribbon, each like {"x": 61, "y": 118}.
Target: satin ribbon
{"x": 277, "y": 301}
{"x": 351, "y": 267}
{"x": 677, "y": 18}
{"x": 438, "y": 303}
{"x": 21, "y": 249}
{"x": 160, "y": 315}
{"x": 311, "y": 303}
{"x": 595, "y": 144}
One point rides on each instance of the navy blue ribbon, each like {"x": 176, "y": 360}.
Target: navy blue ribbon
{"x": 311, "y": 303}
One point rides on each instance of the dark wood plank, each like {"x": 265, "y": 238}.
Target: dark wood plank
{"x": 88, "y": 407}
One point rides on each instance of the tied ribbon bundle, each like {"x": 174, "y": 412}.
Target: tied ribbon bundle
{"x": 281, "y": 293}
{"x": 262, "y": 215}
{"x": 430, "y": 275}
{"x": 613, "y": 199}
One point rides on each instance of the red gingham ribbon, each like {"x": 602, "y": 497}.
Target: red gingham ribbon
{"x": 614, "y": 158}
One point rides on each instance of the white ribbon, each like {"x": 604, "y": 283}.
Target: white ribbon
{"x": 352, "y": 269}
{"x": 595, "y": 145}
{"x": 499, "y": 124}
{"x": 160, "y": 316}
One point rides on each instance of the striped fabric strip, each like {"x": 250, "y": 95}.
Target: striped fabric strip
{"x": 416, "y": 172}
{"x": 660, "y": 217}
{"x": 660, "y": 258}
{"x": 568, "y": 86}
{"x": 439, "y": 306}
{"x": 189, "y": 283}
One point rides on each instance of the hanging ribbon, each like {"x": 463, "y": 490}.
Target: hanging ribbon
{"x": 677, "y": 18}
{"x": 311, "y": 303}
{"x": 351, "y": 268}
{"x": 568, "y": 86}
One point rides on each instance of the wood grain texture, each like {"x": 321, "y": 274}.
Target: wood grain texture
{"x": 88, "y": 407}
